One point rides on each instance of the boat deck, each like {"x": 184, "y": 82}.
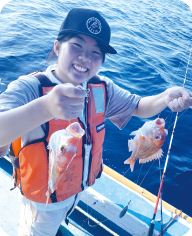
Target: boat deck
{"x": 104, "y": 202}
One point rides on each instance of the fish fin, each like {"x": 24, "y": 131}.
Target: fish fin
{"x": 130, "y": 145}
{"x": 134, "y": 132}
{"x": 131, "y": 162}
{"x": 156, "y": 155}
{"x": 48, "y": 146}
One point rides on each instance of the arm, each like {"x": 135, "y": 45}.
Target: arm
{"x": 64, "y": 101}
{"x": 176, "y": 98}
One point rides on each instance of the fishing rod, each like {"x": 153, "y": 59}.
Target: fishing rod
{"x": 176, "y": 215}
{"x": 152, "y": 224}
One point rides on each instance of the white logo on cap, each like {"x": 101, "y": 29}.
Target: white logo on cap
{"x": 94, "y": 25}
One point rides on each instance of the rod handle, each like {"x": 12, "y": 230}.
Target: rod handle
{"x": 151, "y": 228}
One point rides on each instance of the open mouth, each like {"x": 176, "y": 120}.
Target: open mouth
{"x": 160, "y": 122}
{"x": 80, "y": 68}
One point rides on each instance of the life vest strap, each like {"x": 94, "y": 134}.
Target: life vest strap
{"x": 15, "y": 179}
{"x": 100, "y": 172}
{"x": 14, "y": 161}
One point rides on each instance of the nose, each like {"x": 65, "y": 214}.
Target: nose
{"x": 85, "y": 56}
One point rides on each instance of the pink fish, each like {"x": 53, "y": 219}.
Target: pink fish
{"x": 62, "y": 149}
{"x": 146, "y": 145}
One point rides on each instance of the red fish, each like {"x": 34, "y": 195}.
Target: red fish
{"x": 146, "y": 145}
{"x": 63, "y": 148}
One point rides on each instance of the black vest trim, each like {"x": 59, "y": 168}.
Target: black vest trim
{"x": 45, "y": 82}
{"x": 69, "y": 211}
{"x": 53, "y": 197}
{"x": 14, "y": 161}
{"x": 95, "y": 80}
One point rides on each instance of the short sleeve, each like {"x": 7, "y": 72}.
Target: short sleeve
{"x": 19, "y": 92}
{"x": 120, "y": 104}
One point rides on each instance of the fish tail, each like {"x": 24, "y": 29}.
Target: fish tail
{"x": 131, "y": 162}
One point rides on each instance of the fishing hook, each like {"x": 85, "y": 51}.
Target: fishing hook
{"x": 152, "y": 224}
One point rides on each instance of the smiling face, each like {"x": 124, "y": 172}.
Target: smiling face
{"x": 79, "y": 59}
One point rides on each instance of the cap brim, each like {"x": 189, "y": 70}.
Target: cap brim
{"x": 106, "y": 47}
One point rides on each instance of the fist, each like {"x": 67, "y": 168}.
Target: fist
{"x": 65, "y": 101}
{"x": 178, "y": 99}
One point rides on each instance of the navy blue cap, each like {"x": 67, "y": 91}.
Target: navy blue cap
{"x": 88, "y": 22}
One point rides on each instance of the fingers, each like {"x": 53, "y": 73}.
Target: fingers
{"x": 69, "y": 101}
{"x": 66, "y": 101}
{"x": 187, "y": 100}
{"x": 70, "y": 116}
{"x": 180, "y": 104}
{"x": 71, "y": 109}
{"x": 179, "y": 99}
{"x": 176, "y": 105}
{"x": 71, "y": 91}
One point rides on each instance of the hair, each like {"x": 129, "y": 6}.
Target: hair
{"x": 64, "y": 38}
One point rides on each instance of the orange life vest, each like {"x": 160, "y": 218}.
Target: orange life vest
{"x": 30, "y": 163}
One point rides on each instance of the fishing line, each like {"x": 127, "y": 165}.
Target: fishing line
{"x": 129, "y": 201}
{"x": 89, "y": 99}
{"x": 86, "y": 121}
{"x": 176, "y": 72}
{"x": 127, "y": 171}
{"x": 152, "y": 224}
{"x": 178, "y": 117}
{"x": 140, "y": 168}
{"x": 171, "y": 86}
{"x": 184, "y": 82}
{"x": 161, "y": 197}
{"x": 170, "y": 113}
{"x": 147, "y": 172}
{"x": 139, "y": 173}
{"x": 123, "y": 212}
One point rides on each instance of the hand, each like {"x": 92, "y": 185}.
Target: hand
{"x": 178, "y": 99}
{"x": 65, "y": 101}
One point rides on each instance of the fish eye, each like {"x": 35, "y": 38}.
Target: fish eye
{"x": 157, "y": 137}
{"x": 63, "y": 148}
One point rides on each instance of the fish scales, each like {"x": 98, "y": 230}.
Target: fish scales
{"x": 62, "y": 149}
{"x": 146, "y": 148}
{"x": 146, "y": 145}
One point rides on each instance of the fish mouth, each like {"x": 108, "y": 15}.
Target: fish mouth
{"x": 160, "y": 122}
{"x": 76, "y": 129}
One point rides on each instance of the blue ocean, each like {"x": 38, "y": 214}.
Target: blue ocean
{"x": 153, "y": 40}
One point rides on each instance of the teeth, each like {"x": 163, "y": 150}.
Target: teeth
{"x": 80, "y": 68}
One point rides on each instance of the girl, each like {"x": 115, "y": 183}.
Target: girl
{"x": 35, "y": 106}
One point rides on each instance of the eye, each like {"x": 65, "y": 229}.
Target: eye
{"x": 96, "y": 52}
{"x": 156, "y": 134}
{"x": 78, "y": 45}
{"x": 157, "y": 137}
{"x": 63, "y": 148}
